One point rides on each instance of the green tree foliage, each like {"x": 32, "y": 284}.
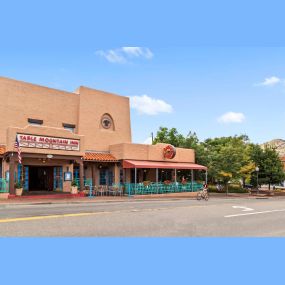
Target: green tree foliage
{"x": 170, "y": 136}
{"x": 269, "y": 164}
{"x": 231, "y": 158}
{"x": 227, "y": 157}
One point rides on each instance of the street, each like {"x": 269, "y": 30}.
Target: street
{"x": 218, "y": 217}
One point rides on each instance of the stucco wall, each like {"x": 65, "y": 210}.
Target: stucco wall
{"x": 93, "y": 105}
{"x": 83, "y": 108}
{"x": 21, "y": 100}
{"x": 150, "y": 152}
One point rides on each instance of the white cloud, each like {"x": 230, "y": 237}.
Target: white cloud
{"x": 270, "y": 81}
{"x": 148, "y": 141}
{"x": 231, "y": 117}
{"x": 137, "y": 52}
{"x": 149, "y": 106}
{"x": 124, "y": 54}
{"x": 112, "y": 56}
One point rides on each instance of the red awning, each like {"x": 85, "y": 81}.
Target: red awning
{"x": 161, "y": 164}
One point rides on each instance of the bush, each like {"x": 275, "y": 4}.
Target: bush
{"x": 18, "y": 185}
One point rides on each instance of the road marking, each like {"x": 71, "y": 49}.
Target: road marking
{"x": 254, "y": 213}
{"x": 34, "y": 218}
{"x": 49, "y": 217}
{"x": 245, "y": 209}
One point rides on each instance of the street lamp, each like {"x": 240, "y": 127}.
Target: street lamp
{"x": 257, "y": 170}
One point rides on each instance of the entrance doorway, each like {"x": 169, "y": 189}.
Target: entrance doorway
{"x": 41, "y": 178}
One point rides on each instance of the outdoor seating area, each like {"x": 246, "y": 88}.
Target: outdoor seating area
{"x": 132, "y": 189}
{"x": 161, "y": 188}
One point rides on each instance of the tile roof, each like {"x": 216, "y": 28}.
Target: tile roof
{"x": 2, "y": 149}
{"x": 97, "y": 156}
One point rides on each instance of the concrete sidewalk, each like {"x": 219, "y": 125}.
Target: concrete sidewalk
{"x": 76, "y": 200}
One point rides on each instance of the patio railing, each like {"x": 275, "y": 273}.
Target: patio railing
{"x": 132, "y": 189}
{"x": 3, "y": 186}
{"x": 160, "y": 188}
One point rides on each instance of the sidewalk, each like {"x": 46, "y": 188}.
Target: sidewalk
{"x": 75, "y": 200}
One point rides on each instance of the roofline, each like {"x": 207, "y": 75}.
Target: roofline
{"x": 101, "y": 91}
{"x": 37, "y": 85}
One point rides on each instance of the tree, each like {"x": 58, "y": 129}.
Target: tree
{"x": 270, "y": 166}
{"x": 227, "y": 157}
{"x": 169, "y": 136}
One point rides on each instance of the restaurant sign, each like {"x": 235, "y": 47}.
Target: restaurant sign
{"x": 32, "y": 141}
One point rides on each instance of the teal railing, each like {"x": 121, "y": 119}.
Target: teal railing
{"x": 87, "y": 182}
{"x": 3, "y": 186}
{"x": 132, "y": 189}
{"x": 160, "y": 188}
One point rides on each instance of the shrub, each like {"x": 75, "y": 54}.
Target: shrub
{"x": 18, "y": 185}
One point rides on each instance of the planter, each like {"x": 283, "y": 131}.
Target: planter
{"x": 4, "y": 196}
{"x": 74, "y": 190}
{"x": 19, "y": 191}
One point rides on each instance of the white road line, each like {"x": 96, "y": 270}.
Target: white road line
{"x": 245, "y": 209}
{"x": 254, "y": 213}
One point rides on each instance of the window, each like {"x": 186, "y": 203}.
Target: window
{"x": 35, "y": 122}
{"x": 69, "y": 127}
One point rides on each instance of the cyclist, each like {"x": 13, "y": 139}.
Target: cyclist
{"x": 203, "y": 193}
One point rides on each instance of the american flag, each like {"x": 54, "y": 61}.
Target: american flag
{"x": 17, "y": 146}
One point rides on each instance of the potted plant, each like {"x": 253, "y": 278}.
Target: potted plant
{"x": 19, "y": 188}
{"x": 146, "y": 183}
{"x": 74, "y": 187}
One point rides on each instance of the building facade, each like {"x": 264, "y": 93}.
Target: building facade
{"x": 81, "y": 135}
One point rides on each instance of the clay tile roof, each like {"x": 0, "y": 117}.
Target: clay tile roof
{"x": 2, "y": 149}
{"x": 97, "y": 156}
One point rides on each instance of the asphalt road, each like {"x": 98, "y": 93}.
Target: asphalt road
{"x": 237, "y": 217}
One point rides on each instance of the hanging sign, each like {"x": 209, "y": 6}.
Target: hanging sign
{"x": 55, "y": 143}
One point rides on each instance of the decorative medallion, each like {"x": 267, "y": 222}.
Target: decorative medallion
{"x": 106, "y": 122}
{"x": 169, "y": 151}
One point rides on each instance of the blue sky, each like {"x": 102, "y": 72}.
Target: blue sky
{"x": 215, "y": 73}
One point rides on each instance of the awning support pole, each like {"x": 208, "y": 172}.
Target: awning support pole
{"x": 175, "y": 175}
{"x": 206, "y": 176}
{"x": 135, "y": 179}
{"x": 156, "y": 175}
{"x": 192, "y": 180}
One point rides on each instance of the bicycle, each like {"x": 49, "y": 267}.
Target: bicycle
{"x": 203, "y": 194}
